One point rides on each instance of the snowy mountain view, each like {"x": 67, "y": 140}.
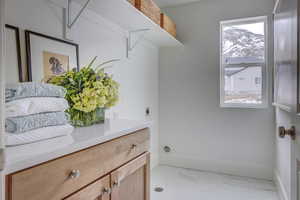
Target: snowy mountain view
{"x": 239, "y": 42}
{"x": 243, "y": 56}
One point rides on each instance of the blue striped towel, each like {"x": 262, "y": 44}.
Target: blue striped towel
{"x": 33, "y": 89}
{"x": 22, "y": 124}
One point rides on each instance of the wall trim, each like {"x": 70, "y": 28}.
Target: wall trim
{"x": 2, "y": 80}
{"x": 283, "y": 195}
{"x": 246, "y": 169}
{"x": 154, "y": 159}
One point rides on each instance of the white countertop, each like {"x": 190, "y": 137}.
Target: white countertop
{"x": 25, "y": 156}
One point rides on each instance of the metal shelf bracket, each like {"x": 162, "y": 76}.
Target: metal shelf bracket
{"x": 130, "y": 44}
{"x": 68, "y": 22}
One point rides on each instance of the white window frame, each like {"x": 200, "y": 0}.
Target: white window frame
{"x": 264, "y": 103}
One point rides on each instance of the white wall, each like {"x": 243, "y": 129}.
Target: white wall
{"x": 138, "y": 76}
{"x": 201, "y": 134}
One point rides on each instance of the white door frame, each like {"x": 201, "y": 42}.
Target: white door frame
{"x": 2, "y": 81}
{"x": 2, "y": 76}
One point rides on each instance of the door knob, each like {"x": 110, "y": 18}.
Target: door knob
{"x": 291, "y": 132}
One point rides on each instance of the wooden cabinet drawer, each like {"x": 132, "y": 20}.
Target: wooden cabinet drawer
{"x": 99, "y": 190}
{"x": 52, "y": 181}
{"x": 132, "y": 181}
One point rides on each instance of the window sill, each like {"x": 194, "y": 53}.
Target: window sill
{"x": 244, "y": 106}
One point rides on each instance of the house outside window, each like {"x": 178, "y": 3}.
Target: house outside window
{"x": 257, "y": 80}
{"x": 243, "y": 63}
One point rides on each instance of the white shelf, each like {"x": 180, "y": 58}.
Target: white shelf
{"x": 128, "y": 17}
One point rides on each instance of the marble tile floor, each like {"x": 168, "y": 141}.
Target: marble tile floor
{"x": 185, "y": 184}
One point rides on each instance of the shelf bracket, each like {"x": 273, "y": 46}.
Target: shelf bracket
{"x": 68, "y": 22}
{"x": 130, "y": 44}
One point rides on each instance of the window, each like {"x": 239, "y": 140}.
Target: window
{"x": 257, "y": 80}
{"x": 243, "y": 63}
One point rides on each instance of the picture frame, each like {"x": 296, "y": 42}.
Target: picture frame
{"x": 48, "y": 56}
{"x": 13, "y": 60}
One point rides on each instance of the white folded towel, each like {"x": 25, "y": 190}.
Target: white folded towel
{"x": 34, "y": 105}
{"x": 38, "y": 135}
{"x": 38, "y": 149}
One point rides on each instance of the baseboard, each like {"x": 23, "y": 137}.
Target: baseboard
{"x": 154, "y": 160}
{"x": 280, "y": 186}
{"x": 219, "y": 166}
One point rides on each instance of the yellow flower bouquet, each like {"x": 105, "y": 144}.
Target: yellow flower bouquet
{"x": 89, "y": 92}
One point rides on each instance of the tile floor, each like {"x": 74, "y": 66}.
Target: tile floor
{"x": 184, "y": 184}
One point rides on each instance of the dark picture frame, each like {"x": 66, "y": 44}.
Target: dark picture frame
{"x": 29, "y": 34}
{"x": 18, "y": 49}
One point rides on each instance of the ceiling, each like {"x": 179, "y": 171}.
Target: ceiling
{"x": 167, "y": 3}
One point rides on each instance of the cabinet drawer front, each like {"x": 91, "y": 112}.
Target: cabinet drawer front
{"x": 61, "y": 177}
{"x": 132, "y": 181}
{"x": 98, "y": 190}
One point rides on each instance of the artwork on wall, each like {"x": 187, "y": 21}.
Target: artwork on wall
{"x": 13, "y": 62}
{"x": 48, "y": 56}
{"x": 54, "y": 64}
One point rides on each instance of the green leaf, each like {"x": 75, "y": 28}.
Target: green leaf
{"x": 102, "y": 64}
{"x": 92, "y": 62}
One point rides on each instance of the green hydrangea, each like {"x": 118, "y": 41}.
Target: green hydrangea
{"x": 88, "y": 90}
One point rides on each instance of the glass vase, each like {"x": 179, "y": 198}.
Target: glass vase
{"x": 82, "y": 119}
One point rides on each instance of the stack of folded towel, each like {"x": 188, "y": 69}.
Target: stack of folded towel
{"x": 35, "y": 112}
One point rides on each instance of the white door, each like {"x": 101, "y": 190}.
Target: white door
{"x": 286, "y": 159}
{"x": 286, "y": 96}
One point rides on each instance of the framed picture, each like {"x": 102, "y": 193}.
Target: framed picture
{"x": 13, "y": 62}
{"x": 48, "y": 56}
